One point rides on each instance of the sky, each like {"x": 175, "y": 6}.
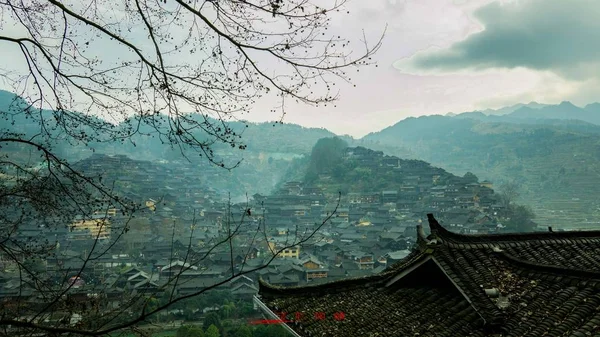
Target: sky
{"x": 441, "y": 56}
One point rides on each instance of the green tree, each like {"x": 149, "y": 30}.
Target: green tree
{"x": 153, "y": 303}
{"x": 190, "y": 331}
{"x": 245, "y": 309}
{"x": 213, "y": 331}
{"x": 228, "y": 309}
{"x": 325, "y": 156}
{"x": 521, "y": 217}
{"x": 188, "y": 313}
{"x": 269, "y": 331}
{"x": 243, "y": 331}
{"x": 470, "y": 178}
{"x": 212, "y": 318}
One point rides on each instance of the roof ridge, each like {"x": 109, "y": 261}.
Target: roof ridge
{"x": 447, "y": 235}
{"x": 541, "y": 268}
{"x": 338, "y": 285}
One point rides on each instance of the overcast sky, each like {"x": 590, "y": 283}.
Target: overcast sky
{"x": 444, "y": 56}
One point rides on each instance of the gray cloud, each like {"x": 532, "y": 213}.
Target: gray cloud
{"x": 378, "y": 11}
{"x": 548, "y": 35}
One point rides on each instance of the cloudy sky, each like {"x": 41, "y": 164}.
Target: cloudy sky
{"x": 444, "y": 56}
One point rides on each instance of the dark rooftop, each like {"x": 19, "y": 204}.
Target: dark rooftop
{"x": 528, "y": 284}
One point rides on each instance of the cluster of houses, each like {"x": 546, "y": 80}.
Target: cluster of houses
{"x": 298, "y": 235}
{"x": 365, "y": 232}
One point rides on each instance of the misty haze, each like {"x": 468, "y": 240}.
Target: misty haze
{"x": 267, "y": 168}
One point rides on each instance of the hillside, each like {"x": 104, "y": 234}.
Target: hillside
{"x": 536, "y": 111}
{"x": 140, "y": 180}
{"x": 564, "y": 110}
{"x": 557, "y": 164}
{"x": 270, "y": 147}
{"x": 551, "y": 150}
{"x": 362, "y": 170}
{"x": 374, "y": 185}
{"x": 507, "y": 110}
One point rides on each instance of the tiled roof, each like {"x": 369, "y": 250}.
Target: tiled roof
{"x": 530, "y": 284}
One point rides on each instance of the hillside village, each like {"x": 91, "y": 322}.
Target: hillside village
{"x": 299, "y": 168}
{"x": 365, "y": 233}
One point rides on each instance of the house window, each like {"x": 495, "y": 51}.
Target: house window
{"x": 294, "y": 251}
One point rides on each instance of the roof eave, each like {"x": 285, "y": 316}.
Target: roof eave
{"x": 265, "y": 309}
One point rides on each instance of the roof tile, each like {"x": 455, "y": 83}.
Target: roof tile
{"x": 549, "y": 284}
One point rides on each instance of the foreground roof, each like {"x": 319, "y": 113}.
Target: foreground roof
{"x": 529, "y": 284}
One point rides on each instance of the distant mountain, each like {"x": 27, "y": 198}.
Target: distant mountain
{"x": 555, "y": 161}
{"x": 525, "y": 112}
{"x": 472, "y": 114}
{"x": 593, "y": 108}
{"x": 552, "y": 150}
{"x": 16, "y": 117}
{"x": 565, "y": 110}
{"x": 533, "y": 113}
{"x": 8, "y": 99}
{"x": 510, "y": 109}
{"x": 502, "y": 111}
{"x": 270, "y": 147}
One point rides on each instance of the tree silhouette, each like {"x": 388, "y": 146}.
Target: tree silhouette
{"x": 509, "y": 193}
{"x": 177, "y": 69}
{"x": 325, "y": 156}
{"x": 521, "y": 217}
{"x": 470, "y": 178}
{"x": 101, "y": 74}
{"x": 84, "y": 304}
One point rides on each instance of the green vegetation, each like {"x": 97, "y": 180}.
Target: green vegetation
{"x": 516, "y": 217}
{"x": 153, "y": 333}
{"x": 351, "y": 176}
{"x": 328, "y": 168}
{"x": 212, "y": 319}
{"x": 266, "y": 152}
{"x": 556, "y": 165}
{"x": 240, "y": 331}
{"x": 520, "y": 218}
{"x": 230, "y": 319}
{"x": 243, "y": 331}
{"x": 190, "y": 331}
{"x": 270, "y": 331}
{"x": 212, "y": 331}
{"x": 470, "y": 178}
{"x": 325, "y": 157}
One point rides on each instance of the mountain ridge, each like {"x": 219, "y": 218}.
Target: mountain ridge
{"x": 540, "y": 146}
{"x": 517, "y": 113}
